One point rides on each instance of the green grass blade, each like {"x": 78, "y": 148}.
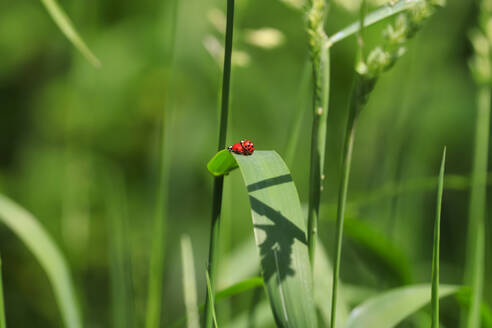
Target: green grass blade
{"x": 359, "y": 96}
{"x": 280, "y": 234}
{"x": 435, "y": 253}
{"x": 386, "y": 310}
{"x": 189, "y": 285}
{"x": 474, "y": 268}
{"x": 374, "y": 17}
{"x": 211, "y": 302}
{"x": 61, "y": 19}
{"x": 3, "y": 323}
{"x": 28, "y": 229}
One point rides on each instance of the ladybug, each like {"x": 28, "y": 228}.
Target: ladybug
{"x": 248, "y": 147}
{"x": 244, "y": 147}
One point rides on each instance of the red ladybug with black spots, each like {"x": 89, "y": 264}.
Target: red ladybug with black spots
{"x": 244, "y": 147}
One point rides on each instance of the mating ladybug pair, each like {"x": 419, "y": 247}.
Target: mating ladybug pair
{"x": 244, "y": 147}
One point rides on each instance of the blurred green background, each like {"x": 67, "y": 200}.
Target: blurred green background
{"x": 80, "y": 144}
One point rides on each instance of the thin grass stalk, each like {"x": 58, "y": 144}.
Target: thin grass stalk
{"x": 156, "y": 274}
{"x": 437, "y": 240}
{"x": 361, "y": 90}
{"x": 342, "y": 200}
{"x": 362, "y": 87}
{"x": 320, "y": 58}
{"x": 219, "y": 181}
{"x": 475, "y": 260}
{"x": 3, "y": 323}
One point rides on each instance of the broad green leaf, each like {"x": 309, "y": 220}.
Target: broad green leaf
{"x": 222, "y": 163}
{"x": 61, "y": 19}
{"x": 280, "y": 233}
{"x": 435, "y": 253}
{"x": 389, "y": 308}
{"x": 211, "y": 300}
{"x": 28, "y": 229}
{"x": 189, "y": 285}
{"x": 2, "y": 309}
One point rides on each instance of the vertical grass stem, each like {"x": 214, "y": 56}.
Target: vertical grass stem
{"x": 475, "y": 260}
{"x": 219, "y": 181}
{"x": 361, "y": 90}
{"x": 436, "y": 248}
{"x": 320, "y": 59}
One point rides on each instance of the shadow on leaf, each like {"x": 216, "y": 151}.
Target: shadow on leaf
{"x": 276, "y": 249}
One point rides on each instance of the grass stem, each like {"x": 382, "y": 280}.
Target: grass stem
{"x": 320, "y": 59}
{"x": 358, "y": 99}
{"x": 435, "y": 252}
{"x": 475, "y": 260}
{"x": 219, "y": 181}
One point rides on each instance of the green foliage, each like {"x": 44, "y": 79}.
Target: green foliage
{"x": 33, "y": 235}
{"x": 387, "y": 309}
{"x": 63, "y": 123}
